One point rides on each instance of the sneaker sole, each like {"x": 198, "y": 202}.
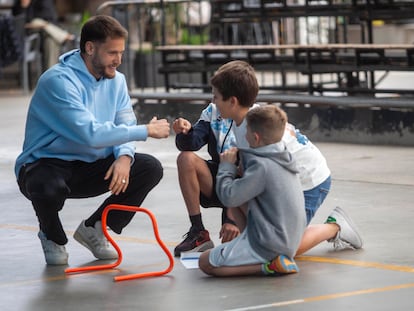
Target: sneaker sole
{"x": 201, "y": 248}
{"x": 352, "y": 225}
{"x": 57, "y": 262}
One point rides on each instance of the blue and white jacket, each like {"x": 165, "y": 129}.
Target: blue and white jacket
{"x": 211, "y": 130}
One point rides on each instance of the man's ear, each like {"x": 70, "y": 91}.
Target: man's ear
{"x": 89, "y": 47}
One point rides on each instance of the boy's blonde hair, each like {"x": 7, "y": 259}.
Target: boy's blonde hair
{"x": 268, "y": 121}
{"x": 237, "y": 78}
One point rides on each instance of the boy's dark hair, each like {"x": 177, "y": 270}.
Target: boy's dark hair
{"x": 268, "y": 121}
{"x": 99, "y": 28}
{"x": 237, "y": 78}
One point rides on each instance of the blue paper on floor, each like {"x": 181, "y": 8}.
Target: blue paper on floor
{"x": 190, "y": 260}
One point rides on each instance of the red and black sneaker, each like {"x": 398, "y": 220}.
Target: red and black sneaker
{"x": 195, "y": 241}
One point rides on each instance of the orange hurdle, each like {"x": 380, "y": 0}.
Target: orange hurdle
{"x": 113, "y": 265}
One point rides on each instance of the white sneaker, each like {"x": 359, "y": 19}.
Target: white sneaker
{"x": 94, "y": 239}
{"x": 347, "y": 236}
{"x": 55, "y": 254}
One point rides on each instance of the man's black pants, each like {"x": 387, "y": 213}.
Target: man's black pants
{"x": 47, "y": 183}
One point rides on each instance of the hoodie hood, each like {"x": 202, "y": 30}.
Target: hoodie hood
{"x": 275, "y": 152}
{"x": 75, "y": 62}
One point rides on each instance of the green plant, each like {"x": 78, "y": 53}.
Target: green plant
{"x": 194, "y": 37}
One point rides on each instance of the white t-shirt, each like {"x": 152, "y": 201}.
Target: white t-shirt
{"x": 312, "y": 166}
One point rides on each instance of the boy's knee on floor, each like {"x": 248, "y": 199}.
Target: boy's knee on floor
{"x": 204, "y": 263}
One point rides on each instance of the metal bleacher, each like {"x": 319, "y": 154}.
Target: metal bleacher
{"x": 328, "y": 70}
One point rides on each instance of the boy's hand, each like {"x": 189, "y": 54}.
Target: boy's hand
{"x": 181, "y": 125}
{"x": 228, "y": 232}
{"x": 229, "y": 155}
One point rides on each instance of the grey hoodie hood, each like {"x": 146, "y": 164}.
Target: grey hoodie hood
{"x": 276, "y": 152}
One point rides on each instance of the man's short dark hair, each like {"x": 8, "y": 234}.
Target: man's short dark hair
{"x": 99, "y": 28}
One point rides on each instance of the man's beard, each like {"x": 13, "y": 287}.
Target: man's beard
{"x": 101, "y": 69}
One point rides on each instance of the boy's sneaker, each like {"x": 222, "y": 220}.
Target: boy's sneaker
{"x": 94, "y": 239}
{"x": 347, "y": 236}
{"x": 281, "y": 265}
{"x": 195, "y": 241}
{"x": 55, "y": 254}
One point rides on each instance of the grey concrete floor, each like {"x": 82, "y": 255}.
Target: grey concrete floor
{"x": 375, "y": 184}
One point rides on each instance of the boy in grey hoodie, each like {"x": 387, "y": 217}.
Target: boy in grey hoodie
{"x": 274, "y": 213}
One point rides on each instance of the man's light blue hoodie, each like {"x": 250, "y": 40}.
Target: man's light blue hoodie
{"x": 73, "y": 116}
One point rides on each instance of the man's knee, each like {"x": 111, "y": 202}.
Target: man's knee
{"x": 147, "y": 167}
{"x": 157, "y": 170}
{"x": 47, "y": 190}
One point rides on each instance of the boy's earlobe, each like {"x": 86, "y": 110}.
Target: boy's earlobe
{"x": 256, "y": 138}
